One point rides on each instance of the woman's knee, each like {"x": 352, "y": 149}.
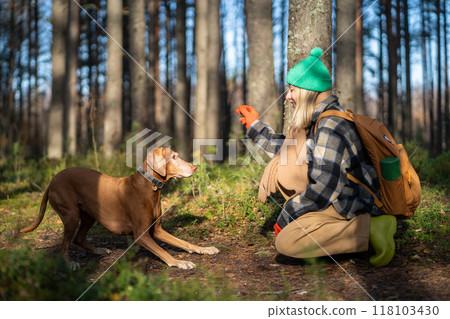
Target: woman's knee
{"x": 286, "y": 244}
{"x": 296, "y": 243}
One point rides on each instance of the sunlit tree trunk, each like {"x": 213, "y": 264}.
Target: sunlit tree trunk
{"x": 138, "y": 77}
{"x": 345, "y": 68}
{"x": 71, "y": 99}
{"x": 307, "y": 31}
{"x": 201, "y": 92}
{"x": 113, "y": 94}
{"x": 55, "y": 133}
{"x": 262, "y": 93}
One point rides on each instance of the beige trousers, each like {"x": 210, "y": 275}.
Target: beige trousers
{"x": 324, "y": 233}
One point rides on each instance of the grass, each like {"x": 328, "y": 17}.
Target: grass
{"x": 26, "y": 278}
{"x": 218, "y": 199}
{"x": 430, "y": 225}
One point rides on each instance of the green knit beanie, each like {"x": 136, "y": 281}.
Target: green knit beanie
{"x": 310, "y": 73}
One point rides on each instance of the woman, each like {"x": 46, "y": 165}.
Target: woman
{"x": 325, "y": 213}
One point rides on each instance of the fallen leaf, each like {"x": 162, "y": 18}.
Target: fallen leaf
{"x": 418, "y": 230}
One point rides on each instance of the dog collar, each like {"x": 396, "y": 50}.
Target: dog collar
{"x": 156, "y": 182}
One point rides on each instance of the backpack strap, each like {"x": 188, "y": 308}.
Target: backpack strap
{"x": 348, "y": 115}
{"x": 357, "y": 181}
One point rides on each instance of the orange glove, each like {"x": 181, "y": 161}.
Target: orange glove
{"x": 249, "y": 113}
{"x": 277, "y": 229}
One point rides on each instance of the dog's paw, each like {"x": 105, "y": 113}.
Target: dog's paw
{"x": 209, "y": 250}
{"x": 183, "y": 264}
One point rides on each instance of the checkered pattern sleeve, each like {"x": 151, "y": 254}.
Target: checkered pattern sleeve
{"x": 265, "y": 137}
{"x": 329, "y": 159}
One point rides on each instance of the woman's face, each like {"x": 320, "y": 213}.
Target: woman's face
{"x": 292, "y": 95}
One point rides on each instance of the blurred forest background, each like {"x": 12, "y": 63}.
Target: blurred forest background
{"x": 77, "y": 75}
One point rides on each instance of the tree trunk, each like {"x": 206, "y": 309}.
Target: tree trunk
{"x": 431, "y": 119}
{"x": 423, "y": 44}
{"x": 113, "y": 95}
{"x": 359, "y": 65}
{"x": 213, "y": 124}
{"x": 447, "y": 89}
{"x": 126, "y": 99}
{"x": 201, "y": 46}
{"x": 39, "y": 131}
{"x": 71, "y": 98}
{"x": 392, "y": 70}
{"x": 283, "y": 66}
{"x": 137, "y": 66}
{"x": 12, "y": 66}
{"x": 262, "y": 92}
{"x": 92, "y": 105}
{"x": 309, "y": 26}
{"x": 181, "y": 118}
{"x": 236, "y": 86}
{"x": 399, "y": 68}
{"x": 154, "y": 95}
{"x": 168, "y": 103}
{"x": 28, "y": 117}
{"x": 439, "y": 122}
{"x": 381, "y": 86}
{"x": 225, "y": 107}
{"x": 21, "y": 12}
{"x": 407, "y": 116}
{"x": 345, "y": 68}
{"x": 55, "y": 134}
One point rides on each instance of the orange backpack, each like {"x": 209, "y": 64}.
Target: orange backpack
{"x": 401, "y": 196}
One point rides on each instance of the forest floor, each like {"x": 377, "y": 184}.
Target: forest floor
{"x": 218, "y": 212}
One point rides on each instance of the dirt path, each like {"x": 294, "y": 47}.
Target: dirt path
{"x": 257, "y": 272}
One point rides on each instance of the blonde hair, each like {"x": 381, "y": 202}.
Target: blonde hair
{"x": 304, "y": 109}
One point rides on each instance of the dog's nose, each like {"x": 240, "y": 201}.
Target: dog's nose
{"x": 194, "y": 168}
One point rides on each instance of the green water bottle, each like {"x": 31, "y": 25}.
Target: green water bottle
{"x": 390, "y": 168}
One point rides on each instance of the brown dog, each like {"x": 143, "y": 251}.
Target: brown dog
{"x": 130, "y": 204}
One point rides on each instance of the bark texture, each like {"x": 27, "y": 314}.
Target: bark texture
{"x": 262, "y": 93}
{"x": 113, "y": 93}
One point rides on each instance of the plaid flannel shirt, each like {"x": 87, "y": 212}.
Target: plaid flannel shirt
{"x": 332, "y": 151}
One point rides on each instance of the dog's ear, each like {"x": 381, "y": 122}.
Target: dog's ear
{"x": 156, "y": 161}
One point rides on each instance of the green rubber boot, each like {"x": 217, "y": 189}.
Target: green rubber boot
{"x": 381, "y": 237}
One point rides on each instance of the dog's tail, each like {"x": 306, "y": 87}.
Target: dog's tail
{"x": 39, "y": 218}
